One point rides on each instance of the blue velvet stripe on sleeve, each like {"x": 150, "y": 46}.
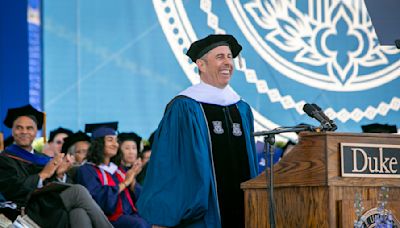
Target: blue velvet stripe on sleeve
{"x": 179, "y": 184}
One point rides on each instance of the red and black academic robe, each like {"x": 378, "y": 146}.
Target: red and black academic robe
{"x": 119, "y": 207}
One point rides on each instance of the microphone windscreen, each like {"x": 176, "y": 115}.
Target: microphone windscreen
{"x": 309, "y": 109}
{"x": 316, "y": 107}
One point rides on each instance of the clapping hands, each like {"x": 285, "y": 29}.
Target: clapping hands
{"x": 131, "y": 174}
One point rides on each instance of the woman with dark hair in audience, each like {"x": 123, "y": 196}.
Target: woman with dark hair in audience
{"x": 110, "y": 186}
{"x": 130, "y": 144}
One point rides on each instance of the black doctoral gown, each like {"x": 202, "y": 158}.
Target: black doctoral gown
{"x": 19, "y": 180}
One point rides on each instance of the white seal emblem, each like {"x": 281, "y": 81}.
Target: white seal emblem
{"x": 217, "y": 127}
{"x": 236, "y": 131}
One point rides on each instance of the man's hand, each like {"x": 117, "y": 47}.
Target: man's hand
{"x": 66, "y": 164}
{"x": 50, "y": 168}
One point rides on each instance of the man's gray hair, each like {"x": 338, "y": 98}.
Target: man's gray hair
{"x": 71, "y": 150}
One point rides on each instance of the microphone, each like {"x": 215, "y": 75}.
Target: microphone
{"x": 332, "y": 123}
{"x": 313, "y": 112}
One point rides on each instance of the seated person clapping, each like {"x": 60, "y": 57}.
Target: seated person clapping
{"x": 56, "y": 140}
{"x": 130, "y": 145}
{"x": 110, "y": 185}
{"x": 77, "y": 145}
{"x": 25, "y": 177}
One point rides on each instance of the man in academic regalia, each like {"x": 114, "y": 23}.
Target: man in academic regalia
{"x": 77, "y": 145}
{"x": 25, "y": 175}
{"x": 203, "y": 148}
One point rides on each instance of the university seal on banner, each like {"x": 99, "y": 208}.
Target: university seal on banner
{"x": 295, "y": 52}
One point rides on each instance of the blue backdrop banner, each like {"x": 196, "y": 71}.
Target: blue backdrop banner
{"x": 124, "y": 60}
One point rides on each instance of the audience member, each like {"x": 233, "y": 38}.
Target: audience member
{"x": 145, "y": 156}
{"x": 146, "y": 152}
{"x": 112, "y": 187}
{"x": 56, "y": 141}
{"x": 25, "y": 178}
{"x": 77, "y": 145}
{"x": 130, "y": 145}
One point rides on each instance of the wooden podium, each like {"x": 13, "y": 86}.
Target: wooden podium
{"x": 309, "y": 188}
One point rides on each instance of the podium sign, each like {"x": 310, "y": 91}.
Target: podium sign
{"x": 311, "y": 189}
{"x": 370, "y": 160}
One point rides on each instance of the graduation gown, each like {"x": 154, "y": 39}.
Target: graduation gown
{"x": 103, "y": 186}
{"x": 180, "y": 185}
{"x": 19, "y": 178}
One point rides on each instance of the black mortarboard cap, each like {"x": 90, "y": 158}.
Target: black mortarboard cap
{"x": 202, "y": 46}
{"x": 27, "y": 110}
{"x": 74, "y": 138}
{"x": 379, "y": 128}
{"x": 102, "y": 129}
{"x": 385, "y": 18}
{"x": 130, "y": 136}
{"x": 58, "y": 131}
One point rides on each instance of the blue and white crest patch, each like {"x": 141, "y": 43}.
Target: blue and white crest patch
{"x": 236, "y": 131}
{"x": 217, "y": 127}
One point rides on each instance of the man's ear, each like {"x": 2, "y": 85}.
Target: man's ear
{"x": 200, "y": 64}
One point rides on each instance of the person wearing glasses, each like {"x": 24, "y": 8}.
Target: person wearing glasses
{"x": 56, "y": 139}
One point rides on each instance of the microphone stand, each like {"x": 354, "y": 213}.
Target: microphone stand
{"x": 269, "y": 140}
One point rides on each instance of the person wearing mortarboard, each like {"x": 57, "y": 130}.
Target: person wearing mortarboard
{"x": 203, "y": 148}
{"x": 77, "y": 145}
{"x": 130, "y": 145}
{"x": 56, "y": 140}
{"x": 24, "y": 173}
{"x": 111, "y": 186}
